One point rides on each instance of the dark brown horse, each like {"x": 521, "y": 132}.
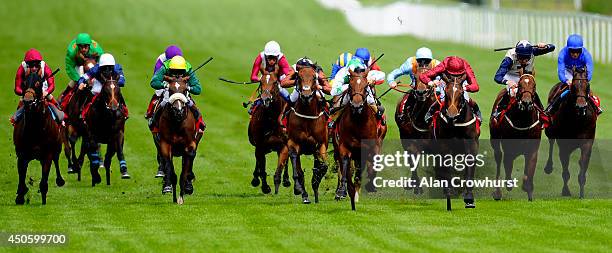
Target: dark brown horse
{"x": 517, "y": 132}
{"x": 573, "y": 127}
{"x": 307, "y": 129}
{"x": 178, "y": 136}
{"x": 456, "y": 131}
{"x": 357, "y": 139}
{"x": 36, "y": 136}
{"x": 105, "y": 125}
{"x": 265, "y": 133}
{"x": 410, "y": 118}
{"x": 75, "y": 126}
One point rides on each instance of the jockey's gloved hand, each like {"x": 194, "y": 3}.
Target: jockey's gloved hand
{"x": 393, "y": 84}
{"x": 82, "y": 86}
{"x": 568, "y": 82}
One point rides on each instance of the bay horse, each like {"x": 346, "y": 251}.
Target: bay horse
{"x": 265, "y": 133}
{"x": 307, "y": 130}
{"x": 517, "y": 132}
{"x": 105, "y": 124}
{"x": 357, "y": 138}
{"x": 72, "y": 104}
{"x": 456, "y": 131}
{"x": 36, "y": 136}
{"x": 573, "y": 127}
{"x": 178, "y": 136}
{"x": 410, "y": 119}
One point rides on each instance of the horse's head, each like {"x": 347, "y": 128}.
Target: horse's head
{"x": 580, "y": 89}
{"x": 306, "y": 83}
{"x": 111, "y": 93}
{"x": 422, "y": 90}
{"x": 33, "y": 90}
{"x": 268, "y": 86}
{"x": 526, "y": 91}
{"x": 358, "y": 83}
{"x": 178, "y": 91}
{"x": 453, "y": 93}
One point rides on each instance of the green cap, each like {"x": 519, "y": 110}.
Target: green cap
{"x": 83, "y": 38}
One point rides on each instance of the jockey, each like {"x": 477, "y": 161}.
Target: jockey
{"x": 453, "y": 66}
{"x": 271, "y": 56}
{"x": 289, "y": 81}
{"x": 341, "y": 84}
{"x": 520, "y": 57}
{"x": 96, "y": 76}
{"x": 364, "y": 54}
{"x": 341, "y": 62}
{"x": 170, "y": 52}
{"x": 573, "y": 55}
{"x": 423, "y": 58}
{"x": 176, "y": 67}
{"x": 79, "y": 49}
{"x": 33, "y": 63}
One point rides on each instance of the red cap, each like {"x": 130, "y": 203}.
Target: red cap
{"x": 455, "y": 65}
{"x": 32, "y": 55}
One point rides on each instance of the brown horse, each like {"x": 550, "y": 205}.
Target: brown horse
{"x": 75, "y": 128}
{"x": 456, "y": 131}
{"x": 265, "y": 133}
{"x": 106, "y": 124}
{"x": 410, "y": 118}
{"x": 357, "y": 138}
{"x": 517, "y": 132}
{"x": 36, "y": 136}
{"x": 178, "y": 136}
{"x": 573, "y": 127}
{"x": 307, "y": 129}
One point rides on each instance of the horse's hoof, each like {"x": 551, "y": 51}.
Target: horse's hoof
{"x": 305, "y": 200}
{"x": 71, "y": 170}
{"x": 180, "y": 200}
{"x": 470, "y": 205}
{"x": 370, "y": 187}
{"x": 20, "y": 200}
{"x": 167, "y": 189}
{"x": 548, "y": 168}
{"x": 296, "y": 191}
{"x": 255, "y": 182}
{"x": 566, "y": 192}
{"x": 189, "y": 188}
{"x": 497, "y": 195}
{"x": 125, "y": 175}
{"x": 286, "y": 183}
{"x": 418, "y": 191}
{"x": 60, "y": 182}
{"x": 340, "y": 194}
{"x": 159, "y": 174}
{"x": 266, "y": 189}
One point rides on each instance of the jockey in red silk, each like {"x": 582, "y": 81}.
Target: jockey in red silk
{"x": 270, "y": 56}
{"x": 169, "y": 53}
{"x": 453, "y": 66}
{"x": 33, "y": 63}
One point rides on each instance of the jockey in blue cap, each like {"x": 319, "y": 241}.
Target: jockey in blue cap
{"x": 573, "y": 55}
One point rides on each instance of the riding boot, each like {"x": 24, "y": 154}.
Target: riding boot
{"x": 124, "y": 108}
{"x": 501, "y": 106}
{"x": 152, "y": 104}
{"x": 59, "y": 115}
{"x": 154, "y": 121}
{"x": 17, "y": 116}
{"x": 197, "y": 116}
{"x": 475, "y": 109}
{"x": 552, "y": 107}
{"x": 431, "y": 112}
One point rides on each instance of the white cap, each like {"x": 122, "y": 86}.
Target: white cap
{"x": 272, "y": 48}
{"x": 107, "y": 60}
{"x": 424, "y": 53}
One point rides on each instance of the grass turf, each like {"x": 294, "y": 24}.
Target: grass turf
{"x": 226, "y": 213}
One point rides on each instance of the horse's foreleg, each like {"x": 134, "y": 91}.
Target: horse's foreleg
{"x": 531, "y": 159}
{"x": 508, "y": 165}
{"x": 497, "y": 153}
{"x": 347, "y": 177}
{"x": 44, "y": 180}
{"x": 260, "y": 170}
{"x": 188, "y": 170}
{"x": 283, "y": 155}
{"x": 319, "y": 170}
{"x": 187, "y": 163}
{"x": 68, "y": 150}
{"x": 94, "y": 160}
{"x": 548, "y": 168}
{"x": 585, "y": 157}
{"x": 564, "y": 156}
{"x": 108, "y": 157}
{"x": 123, "y": 169}
{"x": 22, "y": 188}
{"x": 166, "y": 154}
{"x": 255, "y": 181}
{"x": 59, "y": 180}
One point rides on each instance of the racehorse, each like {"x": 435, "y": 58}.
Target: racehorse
{"x": 573, "y": 127}
{"x": 36, "y": 136}
{"x": 178, "y": 136}
{"x": 307, "y": 130}
{"x": 73, "y": 103}
{"x": 410, "y": 119}
{"x": 265, "y": 133}
{"x": 517, "y": 132}
{"x": 357, "y": 138}
{"x": 456, "y": 131}
{"x": 105, "y": 124}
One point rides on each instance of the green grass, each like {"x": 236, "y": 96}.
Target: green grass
{"x": 226, "y": 213}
